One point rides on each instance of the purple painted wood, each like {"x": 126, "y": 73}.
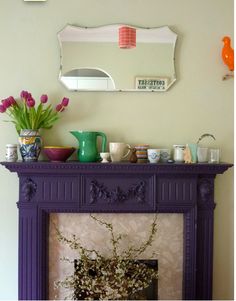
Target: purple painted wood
{"x": 205, "y": 221}
{"x": 94, "y": 187}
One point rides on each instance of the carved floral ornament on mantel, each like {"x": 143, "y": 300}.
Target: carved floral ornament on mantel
{"x": 117, "y": 195}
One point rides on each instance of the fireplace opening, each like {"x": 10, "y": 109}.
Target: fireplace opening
{"x": 167, "y": 246}
{"x": 148, "y": 293}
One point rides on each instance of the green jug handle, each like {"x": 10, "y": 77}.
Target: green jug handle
{"x": 104, "y": 141}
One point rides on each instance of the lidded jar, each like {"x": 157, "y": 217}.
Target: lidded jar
{"x": 179, "y": 152}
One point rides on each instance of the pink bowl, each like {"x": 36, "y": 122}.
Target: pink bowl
{"x": 58, "y": 153}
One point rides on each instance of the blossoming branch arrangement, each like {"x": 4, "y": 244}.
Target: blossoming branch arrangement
{"x": 25, "y": 115}
{"x": 120, "y": 276}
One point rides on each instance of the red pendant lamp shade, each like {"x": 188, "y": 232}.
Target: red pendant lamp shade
{"x": 127, "y": 37}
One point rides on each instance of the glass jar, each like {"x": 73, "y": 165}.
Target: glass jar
{"x": 214, "y": 155}
{"x": 179, "y": 152}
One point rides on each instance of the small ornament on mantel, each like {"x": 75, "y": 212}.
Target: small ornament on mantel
{"x": 187, "y": 155}
{"x": 133, "y": 157}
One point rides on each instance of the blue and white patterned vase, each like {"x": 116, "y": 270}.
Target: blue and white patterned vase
{"x": 30, "y": 145}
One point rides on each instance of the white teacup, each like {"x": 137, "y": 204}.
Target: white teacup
{"x": 117, "y": 150}
{"x": 153, "y": 155}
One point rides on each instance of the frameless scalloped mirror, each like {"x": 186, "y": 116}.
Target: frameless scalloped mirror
{"x": 93, "y": 60}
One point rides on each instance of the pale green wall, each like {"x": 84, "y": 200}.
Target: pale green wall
{"x": 199, "y": 101}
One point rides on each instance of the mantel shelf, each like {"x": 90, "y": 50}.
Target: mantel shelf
{"x": 77, "y": 167}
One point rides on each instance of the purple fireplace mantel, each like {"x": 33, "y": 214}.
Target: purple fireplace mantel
{"x": 115, "y": 188}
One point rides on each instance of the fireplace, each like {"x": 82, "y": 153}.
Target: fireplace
{"x": 74, "y": 187}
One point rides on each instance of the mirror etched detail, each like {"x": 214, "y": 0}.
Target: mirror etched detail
{"x": 91, "y": 59}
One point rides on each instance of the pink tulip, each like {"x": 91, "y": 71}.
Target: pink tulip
{"x": 30, "y": 102}
{"x": 2, "y": 109}
{"x": 44, "y": 98}
{"x": 6, "y": 103}
{"x": 12, "y": 100}
{"x": 24, "y": 94}
{"x": 65, "y": 101}
{"x": 59, "y": 108}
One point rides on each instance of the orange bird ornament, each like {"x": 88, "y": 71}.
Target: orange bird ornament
{"x": 228, "y": 53}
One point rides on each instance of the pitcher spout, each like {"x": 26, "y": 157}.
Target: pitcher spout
{"x": 76, "y": 134}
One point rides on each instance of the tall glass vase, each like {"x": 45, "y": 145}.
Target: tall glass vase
{"x": 30, "y": 145}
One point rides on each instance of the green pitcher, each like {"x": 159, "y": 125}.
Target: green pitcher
{"x": 88, "y": 151}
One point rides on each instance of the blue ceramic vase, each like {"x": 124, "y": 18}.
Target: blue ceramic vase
{"x": 30, "y": 145}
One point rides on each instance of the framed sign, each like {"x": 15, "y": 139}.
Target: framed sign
{"x": 151, "y": 83}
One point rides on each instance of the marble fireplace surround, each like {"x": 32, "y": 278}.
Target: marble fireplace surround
{"x": 75, "y": 187}
{"x": 167, "y": 245}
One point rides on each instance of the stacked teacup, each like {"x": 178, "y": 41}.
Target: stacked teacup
{"x": 141, "y": 152}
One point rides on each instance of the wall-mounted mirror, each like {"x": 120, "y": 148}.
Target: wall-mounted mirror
{"x": 94, "y": 59}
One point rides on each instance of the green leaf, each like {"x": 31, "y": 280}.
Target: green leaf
{"x": 32, "y": 114}
{"x": 37, "y": 116}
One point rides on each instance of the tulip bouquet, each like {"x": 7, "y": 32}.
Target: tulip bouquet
{"x": 25, "y": 115}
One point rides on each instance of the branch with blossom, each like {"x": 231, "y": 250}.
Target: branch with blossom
{"x": 25, "y": 115}
{"x": 117, "y": 276}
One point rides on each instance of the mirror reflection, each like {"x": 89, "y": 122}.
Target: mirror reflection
{"x": 117, "y": 58}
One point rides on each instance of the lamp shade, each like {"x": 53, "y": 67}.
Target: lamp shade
{"x": 127, "y": 37}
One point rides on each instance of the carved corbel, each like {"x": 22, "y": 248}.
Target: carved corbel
{"x": 29, "y": 188}
{"x": 206, "y": 193}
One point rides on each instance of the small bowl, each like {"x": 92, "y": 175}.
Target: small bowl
{"x": 58, "y": 153}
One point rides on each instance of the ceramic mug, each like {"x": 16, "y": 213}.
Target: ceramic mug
{"x": 153, "y": 155}
{"x": 117, "y": 150}
{"x": 11, "y": 152}
{"x": 165, "y": 155}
